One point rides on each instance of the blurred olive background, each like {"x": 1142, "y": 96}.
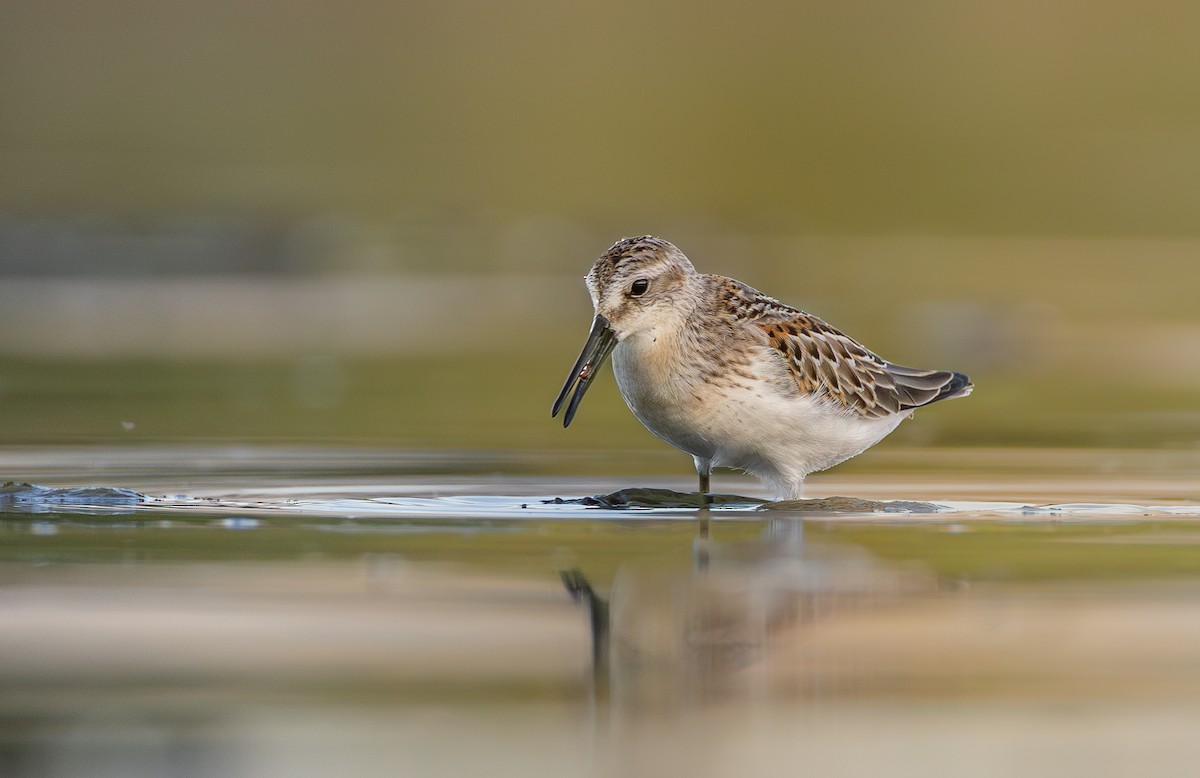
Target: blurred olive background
{"x": 368, "y": 221}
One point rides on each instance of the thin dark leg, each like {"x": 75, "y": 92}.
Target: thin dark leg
{"x": 701, "y": 543}
{"x": 704, "y": 470}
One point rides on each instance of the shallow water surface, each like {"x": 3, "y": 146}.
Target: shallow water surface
{"x": 250, "y": 611}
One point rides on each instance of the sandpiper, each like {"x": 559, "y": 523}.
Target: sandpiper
{"x": 735, "y": 378}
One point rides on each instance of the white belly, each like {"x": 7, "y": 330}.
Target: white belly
{"x": 761, "y": 425}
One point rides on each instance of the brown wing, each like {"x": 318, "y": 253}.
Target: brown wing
{"x": 827, "y": 363}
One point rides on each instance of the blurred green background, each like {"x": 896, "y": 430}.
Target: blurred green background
{"x": 368, "y": 221}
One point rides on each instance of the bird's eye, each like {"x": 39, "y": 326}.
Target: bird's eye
{"x": 639, "y": 287}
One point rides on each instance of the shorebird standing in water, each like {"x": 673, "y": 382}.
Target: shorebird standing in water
{"x": 735, "y": 378}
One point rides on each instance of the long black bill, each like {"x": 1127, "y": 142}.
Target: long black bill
{"x": 600, "y": 343}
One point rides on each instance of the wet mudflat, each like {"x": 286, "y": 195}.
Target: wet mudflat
{"x": 303, "y": 611}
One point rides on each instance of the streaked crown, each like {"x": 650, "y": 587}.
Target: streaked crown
{"x": 638, "y": 282}
{"x": 629, "y": 255}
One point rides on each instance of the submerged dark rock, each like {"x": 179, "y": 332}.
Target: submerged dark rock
{"x": 668, "y": 498}
{"x": 34, "y": 498}
{"x": 654, "y": 498}
{"x": 849, "y": 505}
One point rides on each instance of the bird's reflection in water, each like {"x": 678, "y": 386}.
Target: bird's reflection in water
{"x": 735, "y": 625}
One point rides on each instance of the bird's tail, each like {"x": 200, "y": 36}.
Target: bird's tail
{"x": 922, "y": 387}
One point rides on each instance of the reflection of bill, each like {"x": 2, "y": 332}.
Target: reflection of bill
{"x": 734, "y": 622}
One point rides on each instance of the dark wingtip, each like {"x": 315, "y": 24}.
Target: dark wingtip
{"x": 958, "y": 385}
{"x": 917, "y": 388}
